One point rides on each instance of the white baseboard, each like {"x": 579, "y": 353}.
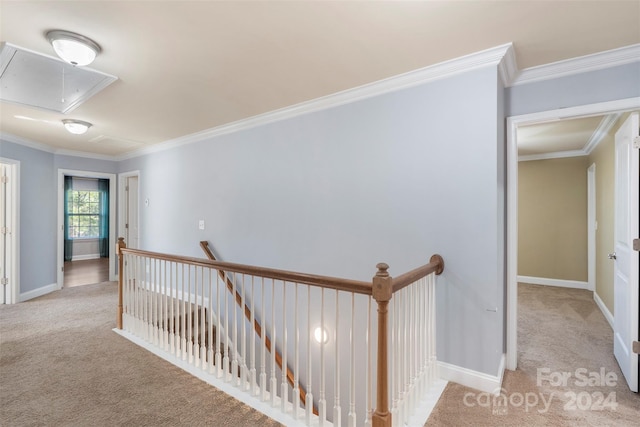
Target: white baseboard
{"x": 85, "y": 257}
{"x": 576, "y": 284}
{"x": 474, "y": 379}
{"x": 603, "y": 308}
{"x": 38, "y": 292}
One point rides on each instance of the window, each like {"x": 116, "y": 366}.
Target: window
{"x": 83, "y": 214}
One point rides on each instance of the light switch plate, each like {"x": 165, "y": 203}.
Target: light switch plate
{"x": 201, "y": 224}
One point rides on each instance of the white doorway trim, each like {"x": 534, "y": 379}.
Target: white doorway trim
{"x": 13, "y": 222}
{"x": 122, "y": 200}
{"x": 592, "y": 226}
{"x": 112, "y": 218}
{"x": 512, "y": 199}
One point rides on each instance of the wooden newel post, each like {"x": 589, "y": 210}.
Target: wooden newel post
{"x": 120, "y": 245}
{"x": 382, "y": 292}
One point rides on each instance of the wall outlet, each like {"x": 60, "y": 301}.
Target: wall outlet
{"x": 201, "y": 224}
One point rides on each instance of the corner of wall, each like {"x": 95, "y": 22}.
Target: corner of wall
{"x": 38, "y": 292}
{"x": 473, "y": 379}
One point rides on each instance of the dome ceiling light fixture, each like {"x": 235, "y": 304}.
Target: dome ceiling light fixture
{"x": 76, "y": 127}
{"x": 73, "y": 48}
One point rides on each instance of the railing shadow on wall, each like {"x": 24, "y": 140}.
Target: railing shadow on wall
{"x": 334, "y": 350}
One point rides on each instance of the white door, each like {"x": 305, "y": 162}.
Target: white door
{"x": 625, "y": 269}
{"x": 3, "y": 234}
{"x": 131, "y": 213}
{"x": 8, "y": 225}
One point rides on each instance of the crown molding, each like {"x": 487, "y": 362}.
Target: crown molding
{"x": 508, "y": 67}
{"x": 49, "y": 149}
{"x": 86, "y": 155}
{"x": 582, "y": 64}
{"x": 26, "y": 142}
{"x": 502, "y": 56}
{"x": 601, "y": 132}
{"x": 489, "y": 57}
{"x": 555, "y": 155}
{"x": 596, "y": 137}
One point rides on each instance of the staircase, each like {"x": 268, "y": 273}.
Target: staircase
{"x": 303, "y": 349}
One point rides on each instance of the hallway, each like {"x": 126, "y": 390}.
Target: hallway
{"x": 86, "y": 272}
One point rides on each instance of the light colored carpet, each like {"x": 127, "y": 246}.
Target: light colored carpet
{"x": 62, "y": 365}
{"x": 560, "y": 330}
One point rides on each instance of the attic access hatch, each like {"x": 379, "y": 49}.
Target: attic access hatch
{"x": 44, "y": 82}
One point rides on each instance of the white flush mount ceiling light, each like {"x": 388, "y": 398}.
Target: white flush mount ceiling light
{"x": 76, "y": 127}
{"x": 73, "y": 48}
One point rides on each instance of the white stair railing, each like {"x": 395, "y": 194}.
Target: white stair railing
{"x": 324, "y": 329}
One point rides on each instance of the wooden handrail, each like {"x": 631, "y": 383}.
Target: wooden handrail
{"x": 328, "y": 282}
{"x": 382, "y": 288}
{"x": 256, "y": 325}
{"x": 436, "y": 265}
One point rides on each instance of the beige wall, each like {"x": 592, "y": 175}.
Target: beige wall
{"x": 603, "y": 157}
{"x": 552, "y": 218}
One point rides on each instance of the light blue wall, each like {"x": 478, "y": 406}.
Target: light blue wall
{"x": 579, "y": 89}
{"x": 37, "y": 215}
{"x": 394, "y": 178}
{"x": 38, "y": 208}
{"x": 85, "y": 164}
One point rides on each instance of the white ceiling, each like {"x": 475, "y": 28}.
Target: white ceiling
{"x": 185, "y": 67}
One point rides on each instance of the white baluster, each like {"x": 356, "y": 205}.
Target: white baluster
{"x": 145, "y": 298}
{"x": 203, "y": 327}
{"x": 296, "y": 364}
{"x": 148, "y": 327}
{"x": 183, "y": 315}
{"x": 421, "y": 325}
{"x": 352, "y": 379}
{"x": 234, "y": 353}
{"x": 195, "y": 319}
{"x": 190, "y": 313}
{"x": 225, "y": 359}
{"x": 154, "y": 301}
{"x": 337, "y": 417}
{"x": 322, "y": 404}
{"x": 218, "y": 356}
{"x": 284, "y": 397}
{"x": 252, "y": 321}
{"x": 414, "y": 346}
{"x": 369, "y": 376}
{"x": 136, "y": 297}
{"x": 407, "y": 354}
{"x": 274, "y": 382}
{"x": 263, "y": 347}
{"x": 402, "y": 332}
{"x": 309, "y": 397}
{"x": 432, "y": 325}
{"x": 165, "y": 314}
{"x": 210, "y": 338}
{"x": 142, "y": 297}
{"x": 172, "y": 312}
{"x": 156, "y": 309}
{"x": 243, "y": 360}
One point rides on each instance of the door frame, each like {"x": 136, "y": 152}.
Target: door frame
{"x": 592, "y": 225}
{"x": 112, "y": 218}
{"x": 513, "y": 123}
{"x": 13, "y": 217}
{"x": 122, "y": 200}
